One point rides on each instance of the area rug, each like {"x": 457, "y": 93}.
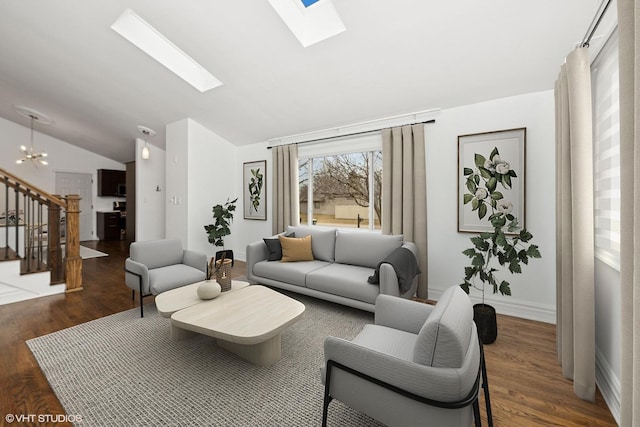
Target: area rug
{"x": 125, "y": 370}
{"x": 86, "y": 253}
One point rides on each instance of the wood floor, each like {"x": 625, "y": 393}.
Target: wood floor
{"x": 527, "y": 387}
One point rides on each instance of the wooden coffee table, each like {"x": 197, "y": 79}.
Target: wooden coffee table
{"x": 247, "y": 321}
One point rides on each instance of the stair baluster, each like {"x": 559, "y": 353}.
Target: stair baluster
{"x": 38, "y": 217}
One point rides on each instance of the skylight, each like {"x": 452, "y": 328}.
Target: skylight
{"x": 308, "y": 3}
{"x": 311, "y": 21}
{"x": 153, "y": 43}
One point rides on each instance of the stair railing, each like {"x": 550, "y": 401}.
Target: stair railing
{"x": 33, "y": 217}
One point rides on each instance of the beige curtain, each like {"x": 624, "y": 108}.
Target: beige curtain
{"x": 629, "y": 57}
{"x": 574, "y": 225}
{"x": 404, "y": 190}
{"x": 286, "y": 194}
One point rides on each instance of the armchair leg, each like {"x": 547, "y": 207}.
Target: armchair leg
{"x": 327, "y": 397}
{"x": 141, "y": 308}
{"x": 476, "y": 413}
{"x": 485, "y": 386}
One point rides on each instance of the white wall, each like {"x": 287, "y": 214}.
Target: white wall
{"x": 150, "y": 193}
{"x": 176, "y": 180}
{"x": 533, "y": 291}
{"x": 248, "y": 231}
{"x": 608, "y": 344}
{"x": 63, "y": 157}
{"x": 200, "y": 173}
{"x": 212, "y": 169}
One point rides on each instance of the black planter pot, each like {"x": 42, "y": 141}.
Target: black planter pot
{"x": 485, "y": 317}
{"x": 228, "y": 256}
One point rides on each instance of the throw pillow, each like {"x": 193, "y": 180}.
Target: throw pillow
{"x": 296, "y": 248}
{"x": 274, "y": 247}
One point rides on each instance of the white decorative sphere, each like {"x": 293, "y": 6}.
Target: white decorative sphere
{"x": 209, "y": 289}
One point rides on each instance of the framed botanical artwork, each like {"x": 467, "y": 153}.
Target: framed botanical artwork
{"x": 255, "y": 190}
{"x": 491, "y": 179}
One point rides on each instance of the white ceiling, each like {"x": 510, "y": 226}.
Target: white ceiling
{"x": 60, "y": 57}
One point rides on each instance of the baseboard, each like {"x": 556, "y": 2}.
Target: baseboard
{"x": 240, "y": 256}
{"x": 511, "y": 307}
{"x": 609, "y": 385}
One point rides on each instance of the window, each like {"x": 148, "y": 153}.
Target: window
{"x": 343, "y": 178}
{"x": 606, "y": 129}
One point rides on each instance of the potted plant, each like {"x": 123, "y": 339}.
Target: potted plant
{"x": 493, "y": 248}
{"x": 223, "y": 216}
{"x": 511, "y": 251}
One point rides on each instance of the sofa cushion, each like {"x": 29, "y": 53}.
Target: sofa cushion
{"x": 287, "y": 272}
{"x": 274, "y": 247}
{"x": 296, "y": 249}
{"x": 444, "y": 338}
{"x": 364, "y": 249}
{"x": 323, "y": 240}
{"x": 349, "y": 281}
{"x": 174, "y": 276}
{"x": 157, "y": 253}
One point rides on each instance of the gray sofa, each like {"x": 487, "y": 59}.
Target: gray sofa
{"x": 343, "y": 262}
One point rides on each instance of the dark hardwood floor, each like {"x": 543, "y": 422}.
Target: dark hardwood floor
{"x": 527, "y": 387}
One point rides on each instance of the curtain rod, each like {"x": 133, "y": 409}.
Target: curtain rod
{"x": 352, "y": 134}
{"x": 595, "y": 23}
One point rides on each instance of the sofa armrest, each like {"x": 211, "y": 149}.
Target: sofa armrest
{"x": 256, "y": 252}
{"x": 437, "y": 383}
{"x": 136, "y": 274}
{"x": 403, "y": 314}
{"x": 389, "y": 284}
{"x": 195, "y": 259}
{"x": 389, "y": 280}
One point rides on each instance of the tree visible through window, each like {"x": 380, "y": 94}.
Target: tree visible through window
{"x": 345, "y": 190}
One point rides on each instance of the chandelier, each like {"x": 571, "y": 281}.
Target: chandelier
{"x": 28, "y": 152}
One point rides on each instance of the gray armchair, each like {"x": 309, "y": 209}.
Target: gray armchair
{"x": 156, "y": 266}
{"x": 417, "y": 365}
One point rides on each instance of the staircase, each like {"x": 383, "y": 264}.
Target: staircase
{"x": 34, "y": 225}
{"x": 16, "y": 286}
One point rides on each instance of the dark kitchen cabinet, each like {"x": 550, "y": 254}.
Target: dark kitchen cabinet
{"x": 112, "y": 183}
{"x": 109, "y": 225}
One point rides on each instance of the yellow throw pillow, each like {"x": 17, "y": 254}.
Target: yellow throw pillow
{"x": 296, "y": 248}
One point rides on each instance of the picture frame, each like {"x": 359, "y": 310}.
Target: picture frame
{"x": 490, "y": 186}
{"x": 254, "y": 193}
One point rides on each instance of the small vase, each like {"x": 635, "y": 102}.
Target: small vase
{"x": 208, "y": 289}
{"x": 484, "y": 316}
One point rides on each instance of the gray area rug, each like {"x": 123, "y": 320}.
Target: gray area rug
{"x": 122, "y": 370}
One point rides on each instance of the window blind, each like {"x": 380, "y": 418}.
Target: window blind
{"x": 606, "y": 121}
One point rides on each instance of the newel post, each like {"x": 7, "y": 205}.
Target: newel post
{"x": 73, "y": 261}
{"x": 54, "y": 256}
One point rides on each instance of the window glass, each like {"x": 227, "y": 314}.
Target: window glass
{"x": 344, "y": 187}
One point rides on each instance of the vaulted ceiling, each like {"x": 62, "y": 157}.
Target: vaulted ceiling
{"x": 61, "y": 57}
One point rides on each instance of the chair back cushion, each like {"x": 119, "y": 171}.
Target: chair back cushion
{"x": 444, "y": 338}
{"x": 157, "y": 253}
{"x": 365, "y": 249}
